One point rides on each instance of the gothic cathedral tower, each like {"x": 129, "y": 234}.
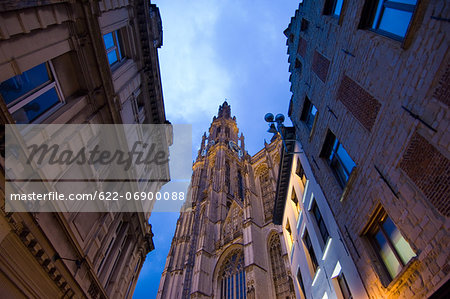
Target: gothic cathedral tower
{"x": 226, "y": 245}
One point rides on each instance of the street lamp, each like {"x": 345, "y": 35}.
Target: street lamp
{"x": 279, "y": 119}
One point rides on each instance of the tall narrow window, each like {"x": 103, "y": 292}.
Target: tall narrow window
{"x": 232, "y": 277}
{"x": 308, "y": 113}
{"x": 338, "y": 158}
{"x": 227, "y": 177}
{"x": 320, "y": 222}
{"x": 390, "y": 18}
{"x": 279, "y": 274}
{"x": 290, "y": 237}
{"x": 240, "y": 186}
{"x": 312, "y": 255}
{"x": 295, "y": 202}
{"x": 343, "y": 287}
{"x": 267, "y": 194}
{"x": 300, "y": 281}
{"x": 300, "y": 172}
{"x": 113, "y": 46}
{"x": 393, "y": 250}
{"x": 32, "y": 94}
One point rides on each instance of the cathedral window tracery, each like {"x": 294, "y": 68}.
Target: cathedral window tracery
{"x": 240, "y": 186}
{"x": 281, "y": 280}
{"x": 232, "y": 277}
{"x": 267, "y": 194}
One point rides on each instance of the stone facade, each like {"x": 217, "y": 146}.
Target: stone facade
{"x": 225, "y": 244}
{"x": 81, "y": 255}
{"x": 384, "y": 97}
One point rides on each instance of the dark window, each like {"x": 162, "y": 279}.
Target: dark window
{"x": 300, "y": 172}
{"x": 333, "y": 7}
{"x": 340, "y": 162}
{"x": 390, "y": 18}
{"x": 311, "y": 252}
{"x": 294, "y": 199}
{"x": 240, "y": 186}
{"x": 31, "y": 94}
{"x": 304, "y": 24}
{"x": 113, "y": 47}
{"x": 300, "y": 281}
{"x": 298, "y": 64}
{"x": 345, "y": 290}
{"x": 290, "y": 236}
{"x": 320, "y": 222}
{"x": 308, "y": 113}
{"x": 393, "y": 250}
{"x": 291, "y": 38}
{"x": 227, "y": 177}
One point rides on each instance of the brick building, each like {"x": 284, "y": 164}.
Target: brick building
{"x": 77, "y": 62}
{"x": 370, "y": 84}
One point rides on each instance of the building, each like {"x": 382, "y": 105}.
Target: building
{"x": 370, "y": 84}
{"x": 225, "y": 244}
{"x": 74, "y": 62}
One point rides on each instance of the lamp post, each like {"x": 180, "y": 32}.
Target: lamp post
{"x": 279, "y": 119}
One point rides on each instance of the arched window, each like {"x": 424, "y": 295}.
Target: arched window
{"x": 227, "y": 177}
{"x": 279, "y": 274}
{"x": 232, "y": 277}
{"x": 267, "y": 194}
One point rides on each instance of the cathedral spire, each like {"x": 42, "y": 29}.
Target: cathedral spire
{"x": 224, "y": 110}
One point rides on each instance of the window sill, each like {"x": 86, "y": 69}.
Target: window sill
{"x": 407, "y": 270}
{"x": 349, "y": 184}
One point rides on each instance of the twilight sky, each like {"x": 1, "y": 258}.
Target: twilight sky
{"x": 212, "y": 51}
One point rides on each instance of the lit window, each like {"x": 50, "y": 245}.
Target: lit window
{"x": 295, "y": 202}
{"x": 30, "y": 95}
{"x": 308, "y": 113}
{"x": 392, "y": 249}
{"x": 310, "y": 250}
{"x": 390, "y": 18}
{"x": 333, "y": 7}
{"x": 112, "y": 42}
{"x": 320, "y": 222}
{"x": 300, "y": 172}
{"x": 300, "y": 281}
{"x": 341, "y": 163}
{"x": 290, "y": 236}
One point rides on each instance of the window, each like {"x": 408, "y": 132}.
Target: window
{"x": 393, "y": 250}
{"x": 300, "y": 172}
{"x": 320, "y": 222}
{"x": 294, "y": 200}
{"x": 390, "y": 18}
{"x": 32, "y": 94}
{"x": 340, "y": 162}
{"x": 279, "y": 274}
{"x": 232, "y": 277}
{"x": 227, "y": 177}
{"x": 312, "y": 256}
{"x": 304, "y": 24}
{"x": 113, "y": 46}
{"x": 290, "y": 236}
{"x": 333, "y": 7}
{"x": 240, "y": 186}
{"x": 308, "y": 113}
{"x": 298, "y": 64}
{"x": 300, "y": 281}
{"x": 343, "y": 287}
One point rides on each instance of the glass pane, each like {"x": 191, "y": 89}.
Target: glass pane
{"x": 37, "y": 107}
{"x": 387, "y": 255}
{"x": 338, "y": 7}
{"x": 403, "y": 249}
{"x": 345, "y": 159}
{"x": 118, "y": 41}
{"x": 112, "y": 57}
{"x": 377, "y": 14}
{"x": 108, "y": 39}
{"x": 19, "y": 85}
{"x": 395, "y": 21}
{"x": 413, "y": 2}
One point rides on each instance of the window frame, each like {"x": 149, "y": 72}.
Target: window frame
{"x": 373, "y": 227}
{"x": 312, "y": 261}
{"x": 306, "y": 115}
{"x": 320, "y": 221}
{"x": 370, "y": 18}
{"x": 37, "y": 91}
{"x": 118, "y": 47}
{"x": 330, "y": 8}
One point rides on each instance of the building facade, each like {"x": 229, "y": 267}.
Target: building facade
{"x": 77, "y": 62}
{"x": 225, "y": 244}
{"x": 370, "y": 84}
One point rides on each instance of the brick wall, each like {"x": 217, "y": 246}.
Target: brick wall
{"x": 320, "y": 66}
{"x": 301, "y": 50}
{"x": 429, "y": 170}
{"x": 359, "y": 102}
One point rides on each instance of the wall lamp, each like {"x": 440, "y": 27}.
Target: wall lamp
{"x": 279, "y": 119}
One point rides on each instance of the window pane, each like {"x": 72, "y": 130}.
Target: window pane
{"x": 395, "y": 21}
{"x": 112, "y": 57}
{"x": 345, "y": 159}
{"x": 338, "y": 7}
{"x": 118, "y": 41}
{"x": 413, "y": 2}
{"x": 108, "y": 39}
{"x": 19, "y": 85}
{"x": 37, "y": 107}
{"x": 387, "y": 255}
{"x": 403, "y": 249}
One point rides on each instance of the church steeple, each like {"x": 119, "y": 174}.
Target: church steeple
{"x": 224, "y": 110}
